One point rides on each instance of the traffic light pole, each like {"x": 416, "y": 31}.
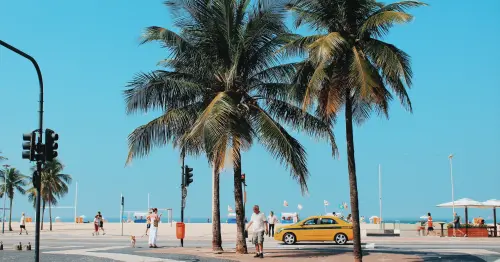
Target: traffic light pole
{"x": 183, "y": 156}
{"x": 39, "y": 145}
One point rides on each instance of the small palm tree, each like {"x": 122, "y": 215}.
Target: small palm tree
{"x": 349, "y": 66}
{"x": 13, "y": 181}
{"x": 54, "y": 185}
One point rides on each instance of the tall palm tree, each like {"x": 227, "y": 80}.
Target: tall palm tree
{"x": 349, "y": 66}
{"x": 224, "y": 87}
{"x": 13, "y": 181}
{"x": 54, "y": 185}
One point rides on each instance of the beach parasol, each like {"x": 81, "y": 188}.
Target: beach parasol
{"x": 424, "y": 217}
{"x": 465, "y": 203}
{"x": 493, "y": 203}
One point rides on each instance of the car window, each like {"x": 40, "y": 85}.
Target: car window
{"x": 311, "y": 222}
{"x": 328, "y": 221}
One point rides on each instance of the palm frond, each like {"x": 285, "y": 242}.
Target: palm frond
{"x": 281, "y": 145}
{"x": 379, "y": 24}
{"x": 162, "y": 130}
{"x": 160, "y": 90}
{"x": 302, "y": 121}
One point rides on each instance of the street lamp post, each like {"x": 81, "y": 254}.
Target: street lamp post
{"x": 4, "y": 196}
{"x": 452, "y": 186}
{"x": 39, "y": 145}
{"x": 452, "y": 190}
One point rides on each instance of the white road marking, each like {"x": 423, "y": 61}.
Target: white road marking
{"x": 114, "y": 256}
{"x": 464, "y": 251}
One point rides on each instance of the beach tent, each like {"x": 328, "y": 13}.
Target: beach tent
{"x": 231, "y": 218}
{"x": 289, "y": 218}
{"x": 58, "y": 219}
{"x": 140, "y": 217}
{"x": 493, "y": 203}
{"x": 465, "y": 203}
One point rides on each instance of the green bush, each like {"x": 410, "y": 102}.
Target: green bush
{"x": 450, "y": 225}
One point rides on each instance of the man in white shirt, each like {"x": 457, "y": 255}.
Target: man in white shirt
{"x": 271, "y": 220}
{"x": 22, "y": 224}
{"x": 258, "y": 223}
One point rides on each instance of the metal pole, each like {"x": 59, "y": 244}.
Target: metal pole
{"x": 121, "y": 212}
{"x": 39, "y": 145}
{"x": 76, "y": 200}
{"x": 148, "y": 201}
{"x": 452, "y": 189}
{"x": 452, "y": 186}
{"x": 380, "y": 192}
{"x": 183, "y": 155}
{"x": 4, "y": 197}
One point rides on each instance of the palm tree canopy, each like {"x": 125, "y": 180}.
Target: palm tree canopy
{"x": 348, "y": 55}
{"x": 12, "y": 180}
{"x": 224, "y": 85}
{"x": 54, "y": 183}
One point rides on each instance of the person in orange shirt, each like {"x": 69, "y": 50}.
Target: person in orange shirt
{"x": 430, "y": 226}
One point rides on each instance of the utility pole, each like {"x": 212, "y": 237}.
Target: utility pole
{"x": 121, "y": 211}
{"x": 183, "y": 191}
{"x": 39, "y": 145}
{"x": 4, "y": 195}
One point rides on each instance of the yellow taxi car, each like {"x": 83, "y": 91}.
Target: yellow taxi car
{"x": 316, "y": 228}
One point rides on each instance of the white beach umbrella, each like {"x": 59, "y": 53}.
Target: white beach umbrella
{"x": 424, "y": 217}
{"x": 465, "y": 203}
{"x": 493, "y": 203}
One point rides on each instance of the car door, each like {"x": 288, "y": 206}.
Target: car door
{"x": 327, "y": 228}
{"x": 308, "y": 230}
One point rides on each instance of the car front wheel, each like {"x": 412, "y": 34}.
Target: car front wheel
{"x": 340, "y": 239}
{"x": 289, "y": 239}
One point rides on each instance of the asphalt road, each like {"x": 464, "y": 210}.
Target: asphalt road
{"x": 64, "y": 248}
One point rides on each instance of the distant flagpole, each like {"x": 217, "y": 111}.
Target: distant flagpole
{"x": 380, "y": 191}
{"x": 76, "y": 200}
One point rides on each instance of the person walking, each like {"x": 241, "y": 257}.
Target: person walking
{"x": 430, "y": 226}
{"x": 22, "y": 224}
{"x": 101, "y": 222}
{"x": 153, "y": 231}
{"x": 96, "y": 225}
{"x": 271, "y": 221}
{"x": 258, "y": 223}
{"x": 456, "y": 225}
{"x": 148, "y": 222}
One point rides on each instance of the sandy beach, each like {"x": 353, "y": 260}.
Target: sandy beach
{"x": 198, "y": 231}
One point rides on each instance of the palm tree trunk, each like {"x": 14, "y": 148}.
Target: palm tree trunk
{"x": 10, "y": 215}
{"x": 241, "y": 245}
{"x": 216, "y": 232}
{"x": 50, "y": 216}
{"x": 43, "y": 213}
{"x": 353, "y": 184}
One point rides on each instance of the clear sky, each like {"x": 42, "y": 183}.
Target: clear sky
{"x": 88, "y": 50}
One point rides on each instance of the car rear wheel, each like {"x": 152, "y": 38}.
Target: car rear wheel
{"x": 289, "y": 239}
{"x": 340, "y": 239}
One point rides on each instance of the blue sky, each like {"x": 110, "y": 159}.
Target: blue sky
{"x": 89, "y": 50}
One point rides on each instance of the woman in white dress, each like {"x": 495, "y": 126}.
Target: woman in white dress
{"x": 154, "y": 219}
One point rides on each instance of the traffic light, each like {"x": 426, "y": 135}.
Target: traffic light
{"x": 29, "y": 146}
{"x": 188, "y": 175}
{"x": 51, "y": 145}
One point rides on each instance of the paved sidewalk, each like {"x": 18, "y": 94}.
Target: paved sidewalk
{"x": 290, "y": 255}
